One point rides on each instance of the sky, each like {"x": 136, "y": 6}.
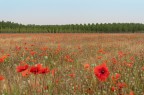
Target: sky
{"x": 52, "y": 12}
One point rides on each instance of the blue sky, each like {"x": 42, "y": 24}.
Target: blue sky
{"x": 72, "y": 11}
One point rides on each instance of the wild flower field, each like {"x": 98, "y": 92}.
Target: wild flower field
{"x": 71, "y": 64}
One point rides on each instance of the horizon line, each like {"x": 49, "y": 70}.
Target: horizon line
{"x": 76, "y": 23}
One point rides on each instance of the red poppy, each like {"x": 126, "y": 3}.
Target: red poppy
{"x": 116, "y": 77}
{"x": 68, "y": 58}
{"x": 33, "y": 53}
{"x": 113, "y": 88}
{"x": 4, "y": 57}
{"x": 129, "y": 65}
{"x": 25, "y": 73}
{"x": 8, "y": 54}
{"x": 131, "y": 93}
{"x": 46, "y": 87}
{"x": 36, "y": 69}
{"x": 101, "y": 50}
{"x": 121, "y": 54}
{"x": 143, "y": 68}
{"x": 44, "y": 48}
{"x": 32, "y": 44}
{"x": 44, "y": 70}
{"x": 121, "y": 85}
{"x": 18, "y": 48}
{"x": 72, "y": 75}
{"x": 114, "y": 60}
{"x": 28, "y": 58}
{"x": 1, "y": 77}
{"x": 101, "y": 72}
{"x": 132, "y": 58}
{"x": 99, "y": 57}
{"x": 1, "y": 60}
{"x": 53, "y": 71}
{"x": 87, "y": 66}
{"x": 22, "y": 68}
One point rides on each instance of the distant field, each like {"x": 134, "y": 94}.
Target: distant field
{"x": 69, "y": 62}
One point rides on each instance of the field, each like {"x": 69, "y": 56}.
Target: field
{"x": 72, "y": 64}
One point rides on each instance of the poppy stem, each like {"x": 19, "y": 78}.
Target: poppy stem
{"x": 43, "y": 85}
{"x": 35, "y": 82}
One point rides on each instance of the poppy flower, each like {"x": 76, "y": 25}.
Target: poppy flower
{"x": 46, "y": 87}
{"x": 2, "y": 51}
{"x": 32, "y": 44}
{"x": 1, "y": 60}
{"x": 25, "y": 73}
{"x": 68, "y": 58}
{"x": 72, "y": 75}
{"x": 132, "y": 58}
{"x": 121, "y": 85}
{"x": 4, "y": 57}
{"x": 44, "y": 48}
{"x": 131, "y": 93}
{"x": 117, "y": 76}
{"x": 121, "y": 54}
{"x": 114, "y": 60}
{"x": 99, "y": 57}
{"x": 87, "y": 66}
{"x": 1, "y": 77}
{"x": 28, "y": 58}
{"x": 8, "y": 54}
{"x": 22, "y": 68}
{"x": 101, "y": 50}
{"x": 53, "y": 71}
{"x": 101, "y": 72}
{"x": 33, "y": 53}
{"x": 36, "y": 69}
{"x": 113, "y": 88}
{"x": 129, "y": 65}
{"x": 18, "y": 48}
{"x": 44, "y": 70}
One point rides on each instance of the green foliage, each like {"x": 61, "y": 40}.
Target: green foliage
{"x": 11, "y": 27}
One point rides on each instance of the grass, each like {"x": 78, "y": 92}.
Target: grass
{"x": 66, "y": 56}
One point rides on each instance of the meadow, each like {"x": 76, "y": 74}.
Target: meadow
{"x": 72, "y": 64}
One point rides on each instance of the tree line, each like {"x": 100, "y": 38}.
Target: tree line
{"x": 11, "y": 27}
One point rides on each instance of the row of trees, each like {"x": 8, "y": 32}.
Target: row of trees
{"x": 11, "y": 27}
